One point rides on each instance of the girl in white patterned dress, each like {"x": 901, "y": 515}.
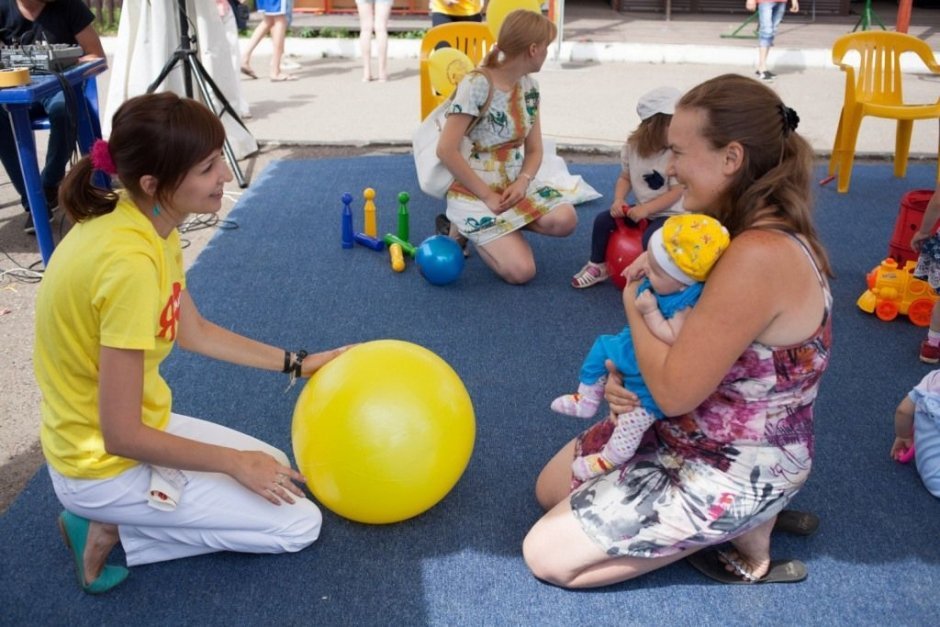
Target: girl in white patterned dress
{"x": 495, "y": 192}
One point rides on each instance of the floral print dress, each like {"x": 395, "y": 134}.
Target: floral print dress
{"x": 496, "y": 154}
{"x": 725, "y": 468}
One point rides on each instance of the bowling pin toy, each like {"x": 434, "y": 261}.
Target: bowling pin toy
{"x": 370, "y": 228}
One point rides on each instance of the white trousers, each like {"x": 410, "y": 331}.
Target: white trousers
{"x": 214, "y": 513}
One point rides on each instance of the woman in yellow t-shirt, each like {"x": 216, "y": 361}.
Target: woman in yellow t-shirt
{"x": 112, "y": 303}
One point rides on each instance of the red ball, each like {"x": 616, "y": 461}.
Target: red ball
{"x": 625, "y": 245}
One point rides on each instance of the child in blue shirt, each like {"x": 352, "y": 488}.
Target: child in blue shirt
{"x": 917, "y": 428}
{"x": 678, "y": 259}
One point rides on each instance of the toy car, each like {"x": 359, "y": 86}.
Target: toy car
{"x": 893, "y": 290}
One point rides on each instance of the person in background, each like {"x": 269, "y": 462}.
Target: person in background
{"x": 927, "y": 244}
{"x": 447, "y": 11}
{"x": 917, "y": 430}
{"x": 496, "y": 194}
{"x": 25, "y": 22}
{"x": 769, "y": 15}
{"x": 373, "y": 16}
{"x": 274, "y": 20}
{"x": 643, "y": 161}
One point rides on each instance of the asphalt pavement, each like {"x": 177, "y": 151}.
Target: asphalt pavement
{"x": 590, "y": 84}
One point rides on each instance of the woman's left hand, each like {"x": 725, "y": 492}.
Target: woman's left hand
{"x": 315, "y": 361}
{"x": 265, "y": 476}
{"x": 513, "y": 194}
{"x": 620, "y": 399}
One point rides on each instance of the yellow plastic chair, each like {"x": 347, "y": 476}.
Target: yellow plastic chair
{"x": 875, "y": 89}
{"x": 472, "y": 38}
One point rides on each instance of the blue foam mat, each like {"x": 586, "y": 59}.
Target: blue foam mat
{"x": 283, "y": 277}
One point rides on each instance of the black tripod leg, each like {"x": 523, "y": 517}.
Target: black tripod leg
{"x": 230, "y": 155}
{"x": 167, "y": 68}
{"x": 202, "y": 77}
{"x": 200, "y": 70}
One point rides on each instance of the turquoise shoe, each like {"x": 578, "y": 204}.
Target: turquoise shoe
{"x": 75, "y": 533}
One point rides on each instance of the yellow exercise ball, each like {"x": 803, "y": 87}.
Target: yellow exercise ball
{"x": 497, "y": 10}
{"x": 383, "y": 432}
{"x": 446, "y": 68}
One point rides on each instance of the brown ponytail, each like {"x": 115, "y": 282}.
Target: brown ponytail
{"x": 79, "y": 195}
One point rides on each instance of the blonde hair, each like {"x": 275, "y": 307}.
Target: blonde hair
{"x": 775, "y": 180}
{"x": 651, "y": 137}
{"x": 519, "y": 30}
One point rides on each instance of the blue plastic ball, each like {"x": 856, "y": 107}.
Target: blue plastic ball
{"x": 440, "y": 260}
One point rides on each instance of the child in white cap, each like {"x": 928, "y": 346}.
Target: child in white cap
{"x": 644, "y": 158}
{"x": 679, "y": 258}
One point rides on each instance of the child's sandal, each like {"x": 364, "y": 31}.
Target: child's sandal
{"x": 590, "y": 274}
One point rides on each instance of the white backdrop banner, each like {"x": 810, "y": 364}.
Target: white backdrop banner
{"x": 148, "y": 34}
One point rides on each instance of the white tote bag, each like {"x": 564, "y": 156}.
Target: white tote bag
{"x": 434, "y": 178}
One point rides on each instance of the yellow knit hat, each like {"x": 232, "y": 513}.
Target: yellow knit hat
{"x": 688, "y": 245}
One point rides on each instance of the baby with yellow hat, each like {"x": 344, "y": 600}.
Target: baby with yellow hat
{"x": 677, "y": 261}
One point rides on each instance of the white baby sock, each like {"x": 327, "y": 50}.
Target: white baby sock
{"x": 583, "y": 403}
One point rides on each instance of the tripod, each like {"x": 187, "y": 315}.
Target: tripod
{"x": 193, "y": 68}
{"x": 868, "y": 16}
{"x": 734, "y": 34}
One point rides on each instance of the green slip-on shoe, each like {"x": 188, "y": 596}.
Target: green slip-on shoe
{"x": 75, "y": 533}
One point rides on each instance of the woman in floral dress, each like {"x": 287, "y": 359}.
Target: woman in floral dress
{"x": 740, "y": 380}
{"x": 495, "y": 191}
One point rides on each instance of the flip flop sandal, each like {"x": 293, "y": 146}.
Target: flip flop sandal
{"x": 247, "y": 71}
{"x": 797, "y": 523}
{"x": 711, "y": 563}
{"x": 281, "y": 78}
